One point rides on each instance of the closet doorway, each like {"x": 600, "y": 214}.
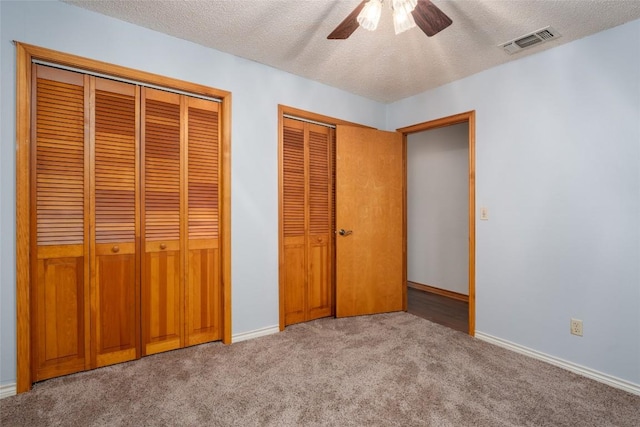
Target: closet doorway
{"x": 123, "y": 214}
{"x": 440, "y": 220}
{"x": 337, "y": 195}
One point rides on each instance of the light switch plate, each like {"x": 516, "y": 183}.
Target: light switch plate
{"x": 484, "y": 213}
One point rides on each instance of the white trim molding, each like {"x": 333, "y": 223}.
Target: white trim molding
{"x": 262, "y": 332}
{"x": 570, "y": 366}
{"x": 7, "y": 390}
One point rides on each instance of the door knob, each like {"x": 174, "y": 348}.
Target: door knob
{"x": 344, "y": 232}
{"x": 163, "y": 246}
{"x": 115, "y": 249}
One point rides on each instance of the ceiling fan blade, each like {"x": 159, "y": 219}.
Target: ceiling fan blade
{"x": 348, "y": 26}
{"x": 429, "y": 18}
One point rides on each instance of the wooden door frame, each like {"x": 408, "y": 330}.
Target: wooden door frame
{"x": 313, "y": 117}
{"x": 25, "y": 54}
{"x": 470, "y": 118}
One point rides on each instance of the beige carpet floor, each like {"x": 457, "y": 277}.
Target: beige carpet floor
{"x": 385, "y": 370}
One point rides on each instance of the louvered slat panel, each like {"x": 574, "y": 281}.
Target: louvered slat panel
{"x": 293, "y": 182}
{"x": 115, "y": 167}
{"x": 59, "y": 163}
{"x": 333, "y": 179}
{"x": 203, "y": 174}
{"x": 162, "y": 170}
{"x": 319, "y": 191}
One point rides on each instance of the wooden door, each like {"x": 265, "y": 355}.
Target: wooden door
{"x": 369, "y": 205}
{"x": 203, "y": 298}
{"x": 115, "y": 290}
{"x": 60, "y": 197}
{"x": 162, "y": 204}
{"x": 306, "y": 265}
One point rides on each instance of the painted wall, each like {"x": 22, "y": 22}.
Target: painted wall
{"x": 558, "y": 167}
{"x": 438, "y": 208}
{"x": 256, "y": 89}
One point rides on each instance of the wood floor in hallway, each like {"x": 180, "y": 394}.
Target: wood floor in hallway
{"x": 439, "y": 309}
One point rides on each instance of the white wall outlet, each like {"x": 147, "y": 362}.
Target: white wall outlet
{"x": 576, "y": 327}
{"x": 484, "y": 213}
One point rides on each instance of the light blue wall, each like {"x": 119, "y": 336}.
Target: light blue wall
{"x": 256, "y": 91}
{"x": 558, "y": 166}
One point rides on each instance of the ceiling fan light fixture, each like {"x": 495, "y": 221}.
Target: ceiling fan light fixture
{"x": 402, "y": 20}
{"x": 406, "y": 14}
{"x": 406, "y": 5}
{"x": 370, "y": 15}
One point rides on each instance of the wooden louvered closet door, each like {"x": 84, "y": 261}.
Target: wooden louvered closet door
{"x": 125, "y": 257}
{"x": 115, "y": 260}
{"x": 163, "y": 266}
{"x": 203, "y": 297}
{"x": 60, "y": 200}
{"x": 307, "y": 221}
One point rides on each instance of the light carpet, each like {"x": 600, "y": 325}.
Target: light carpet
{"x": 391, "y": 369}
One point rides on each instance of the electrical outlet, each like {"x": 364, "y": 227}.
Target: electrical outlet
{"x": 576, "y": 327}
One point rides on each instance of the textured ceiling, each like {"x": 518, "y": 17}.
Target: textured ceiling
{"x": 291, "y": 35}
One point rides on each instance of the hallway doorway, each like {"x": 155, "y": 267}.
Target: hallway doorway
{"x": 440, "y": 223}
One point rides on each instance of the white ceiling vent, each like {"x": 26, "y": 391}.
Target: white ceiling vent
{"x": 542, "y": 35}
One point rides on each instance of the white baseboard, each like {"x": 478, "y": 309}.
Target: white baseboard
{"x": 570, "y": 366}
{"x": 262, "y": 332}
{"x": 8, "y": 390}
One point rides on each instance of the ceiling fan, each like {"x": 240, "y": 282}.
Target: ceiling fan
{"x": 406, "y": 14}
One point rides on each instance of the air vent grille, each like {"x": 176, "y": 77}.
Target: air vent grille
{"x": 528, "y": 41}
{"x": 542, "y": 35}
{"x": 546, "y": 34}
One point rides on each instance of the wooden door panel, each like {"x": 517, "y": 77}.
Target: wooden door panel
{"x": 319, "y": 273}
{"x": 293, "y": 264}
{"x": 294, "y": 280}
{"x": 163, "y": 326}
{"x": 60, "y": 202}
{"x": 319, "y": 292}
{"x": 204, "y": 293}
{"x": 162, "y": 287}
{"x": 115, "y": 283}
{"x": 369, "y": 201}
{"x": 116, "y": 324}
{"x": 59, "y": 307}
{"x": 203, "y": 296}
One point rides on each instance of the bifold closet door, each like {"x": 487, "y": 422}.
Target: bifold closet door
{"x": 86, "y": 287}
{"x": 307, "y": 212}
{"x": 115, "y": 260}
{"x": 181, "y": 288}
{"x": 163, "y": 206}
{"x": 125, "y": 250}
{"x": 59, "y": 223}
